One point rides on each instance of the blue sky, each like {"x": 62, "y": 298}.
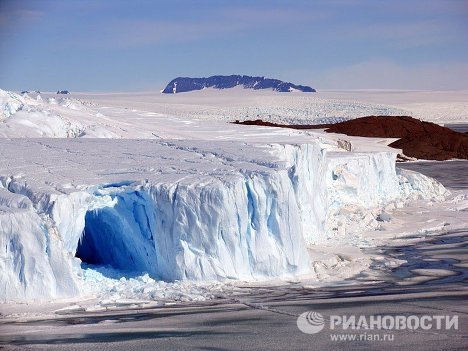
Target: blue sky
{"x": 95, "y": 45}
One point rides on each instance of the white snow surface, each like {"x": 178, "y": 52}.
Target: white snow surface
{"x": 146, "y": 114}
{"x": 434, "y": 106}
{"x": 178, "y": 199}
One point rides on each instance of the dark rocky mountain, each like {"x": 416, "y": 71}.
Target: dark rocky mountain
{"x": 184, "y": 84}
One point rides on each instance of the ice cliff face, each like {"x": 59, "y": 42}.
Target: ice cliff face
{"x": 33, "y": 261}
{"x": 336, "y": 190}
{"x": 197, "y": 210}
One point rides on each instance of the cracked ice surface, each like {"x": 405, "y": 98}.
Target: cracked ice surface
{"x": 181, "y": 210}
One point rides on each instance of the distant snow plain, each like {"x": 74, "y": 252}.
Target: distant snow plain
{"x": 294, "y": 204}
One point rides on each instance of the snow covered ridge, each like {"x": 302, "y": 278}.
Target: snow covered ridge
{"x": 183, "y": 210}
{"x": 23, "y": 115}
{"x": 32, "y": 116}
{"x": 185, "y": 84}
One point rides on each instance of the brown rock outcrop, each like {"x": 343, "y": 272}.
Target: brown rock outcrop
{"x": 419, "y": 139}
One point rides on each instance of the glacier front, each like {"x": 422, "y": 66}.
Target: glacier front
{"x": 184, "y": 209}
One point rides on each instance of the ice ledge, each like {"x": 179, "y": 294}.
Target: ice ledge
{"x": 201, "y": 210}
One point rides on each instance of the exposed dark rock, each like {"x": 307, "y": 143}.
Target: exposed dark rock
{"x": 419, "y": 139}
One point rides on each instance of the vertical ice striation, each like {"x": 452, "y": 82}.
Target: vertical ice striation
{"x": 332, "y": 187}
{"x": 243, "y": 227}
{"x": 33, "y": 263}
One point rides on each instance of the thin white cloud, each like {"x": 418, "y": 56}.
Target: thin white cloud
{"x": 409, "y": 34}
{"x": 253, "y": 16}
{"x": 134, "y": 33}
{"x": 381, "y": 74}
{"x": 125, "y": 33}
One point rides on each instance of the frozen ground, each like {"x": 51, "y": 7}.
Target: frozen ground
{"x": 265, "y": 194}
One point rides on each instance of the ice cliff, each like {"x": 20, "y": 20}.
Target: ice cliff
{"x": 183, "y": 210}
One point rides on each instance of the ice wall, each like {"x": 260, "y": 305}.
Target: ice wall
{"x": 33, "y": 263}
{"x": 336, "y": 191}
{"x": 242, "y": 227}
{"x": 252, "y": 223}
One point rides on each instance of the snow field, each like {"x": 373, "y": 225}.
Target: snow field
{"x": 184, "y": 203}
